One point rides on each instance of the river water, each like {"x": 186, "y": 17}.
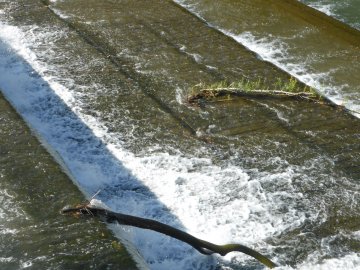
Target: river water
{"x": 103, "y": 85}
{"x": 346, "y": 11}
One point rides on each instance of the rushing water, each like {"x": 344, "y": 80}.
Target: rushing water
{"x": 32, "y": 190}
{"x": 347, "y": 11}
{"x": 102, "y": 83}
{"x": 321, "y": 59}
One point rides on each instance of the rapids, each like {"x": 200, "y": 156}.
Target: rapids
{"x": 103, "y": 85}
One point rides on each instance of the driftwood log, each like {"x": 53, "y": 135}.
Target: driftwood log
{"x": 227, "y": 93}
{"x": 202, "y": 246}
{"x": 209, "y": 93}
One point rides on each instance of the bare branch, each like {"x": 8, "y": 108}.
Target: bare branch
{"x": 202, "y": 246}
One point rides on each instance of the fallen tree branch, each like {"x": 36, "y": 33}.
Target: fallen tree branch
{"x": 202, "y": 246}
{"x": 210, "y": 93}
{"x": 227, "y": 93}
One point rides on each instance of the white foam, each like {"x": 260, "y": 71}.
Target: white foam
{"x": 90, "y": 172}
{"x": 328, "y": 9}
{"x": 7, "y": 259}
{"x": 350, "y": 261}
{"x": 9, "y": 211}
{"x": 26, "y": 264}
{"x": 219, "y": 204}
{"x": 335, "y": 10}
{"x": 178, "y": 182}
{"x": 30, "y": 263}
{"x": 274, "y": 50}
{"x": 356, "y": 235}
{"x": 197, "y": 57}
{"x": 7, "y": 230}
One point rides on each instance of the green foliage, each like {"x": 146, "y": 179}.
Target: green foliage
{"x": 292, "y": 86}
{"x": 227, "y": 90}
{"x": 289, "y": 86}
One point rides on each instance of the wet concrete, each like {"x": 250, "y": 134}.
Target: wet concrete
{"x": 34, "y": 189}
{"x": 135, "y": 60}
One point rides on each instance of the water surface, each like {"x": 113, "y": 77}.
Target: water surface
{"x": 33, "y": 189}
{"x": 314, "y": 48}
{"x": 346, "y": 11}
{"x": 105, "y": 86}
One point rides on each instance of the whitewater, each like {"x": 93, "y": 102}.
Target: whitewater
{"x": 167, "y": 185}
{"x": 278, "y": 50}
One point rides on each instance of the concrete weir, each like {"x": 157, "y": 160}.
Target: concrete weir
{"x": 104, "y": 85}
{"x": 35, "y": 189}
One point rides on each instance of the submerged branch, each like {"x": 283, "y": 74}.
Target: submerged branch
{"x": 202, "y": 246}
{"x": 211, "y": 93}
{"x": 291, "y": 88}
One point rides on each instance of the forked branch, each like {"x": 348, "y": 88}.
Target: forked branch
{"x": 202, "y": 246}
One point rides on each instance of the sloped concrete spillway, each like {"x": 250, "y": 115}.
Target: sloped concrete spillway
{"x": 32, "y": 190}
{"x": 317, "y": 49}
{"x": 103, "y": 84}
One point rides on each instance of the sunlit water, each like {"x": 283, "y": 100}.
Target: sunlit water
{"x": 346, "y": 11}
{"x": 103, "y": 85}
{"x": 320, "y": 59}
{"x": 32, "y": 191}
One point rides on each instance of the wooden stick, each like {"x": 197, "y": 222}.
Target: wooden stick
{"x": 234, "y": 90}
{"x": 208, "y": 93}
{"x": 202, "y": 246}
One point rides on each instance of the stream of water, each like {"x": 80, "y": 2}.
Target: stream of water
{"x": 103, "y": 85}
{"x": 346, "y": 11}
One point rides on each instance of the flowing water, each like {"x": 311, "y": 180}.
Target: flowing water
{"x": 32, "y": 190}
{"x": 103, "y": 84}
{"x": 313, "y": 48}
{"x": 346, "y": 11}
